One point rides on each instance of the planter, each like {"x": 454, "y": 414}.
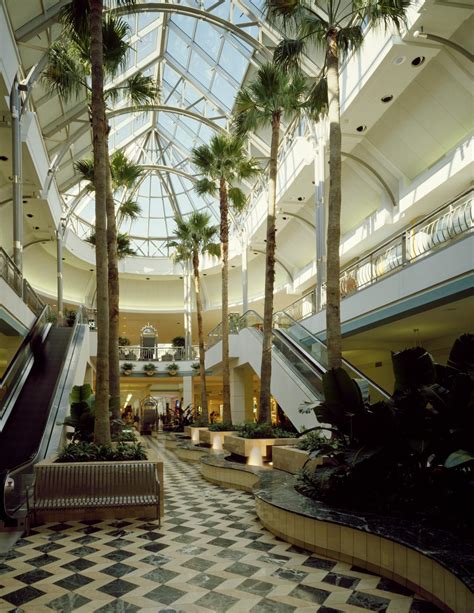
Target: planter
{"x": 255, "y": 449}
{"x": 150, "y": 373}
{"x": 115, "y": 512}
{"x": 215, "y": 439}
{"x": 194, "y": 433}
{"x": 127, "y": 373}
{"x": 292, "y": 460}
{"x": 172, "y": 373}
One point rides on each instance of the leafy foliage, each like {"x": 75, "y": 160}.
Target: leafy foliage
{"x": 252, "y": 430}
{"x": 412, "y": 453}
{"x": 222, "y": 427}
{"x": 90, "y": 452}
{"x": 81, "y": 417}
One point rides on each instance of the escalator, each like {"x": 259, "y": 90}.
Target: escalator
{"x": 36, "y": 388}
{"x": 299, "y": 361}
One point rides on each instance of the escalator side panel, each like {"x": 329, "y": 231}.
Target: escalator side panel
{"x": 23, "y": 431}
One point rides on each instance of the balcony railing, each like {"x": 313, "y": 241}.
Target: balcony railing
{"x": 13, "y": 277}
{"x": 158, "y": 353}
{"x": 452, "y": 221}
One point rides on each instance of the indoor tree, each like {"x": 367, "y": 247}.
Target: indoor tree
{"x": 194, "y": 236}
{"x": 273, "y": 95}
{"x": 337, "y": 28}
{"x": 224, "y": 163}
{"x": 68, "y": 74}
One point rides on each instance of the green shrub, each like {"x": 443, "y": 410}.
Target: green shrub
{"x": 126, "y": 436}
{"x": 90, "y": 452}
{"x": 315, "y": 441}
{"x": 223, "y": 427}
{"x": 252, "y": 430}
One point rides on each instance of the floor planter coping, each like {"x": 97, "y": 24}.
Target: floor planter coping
{"x": 246, "y": 446}
{"x": 292, "y": 459}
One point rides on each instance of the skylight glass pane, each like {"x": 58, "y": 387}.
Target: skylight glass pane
{"x": 233, "y": 62}
{"x": 200, "y": 69}
{"x": 177, "y": 48}
{"x": 158, "y": 227}
{"x": 139, "y": 227}
{"x": 226, "y": 92}
{"x": 147, "y": 45}
{"x": 186, "y": 24}
{"x": 208, "y": 38}
{"x": 144, "y": 19}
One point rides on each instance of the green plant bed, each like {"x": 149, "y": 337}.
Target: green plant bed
{"x": 90, "y": 452}
{"x": 222, "y": 427}
{"x": 411, "y": 456}
{"x": 252, "y": 430}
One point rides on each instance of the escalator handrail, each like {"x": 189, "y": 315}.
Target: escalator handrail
{"x": 9, "y": 473}
{"x": 26, "y": 341}
{"x": 311, "y": 362}
{"x": 347, "y": 364}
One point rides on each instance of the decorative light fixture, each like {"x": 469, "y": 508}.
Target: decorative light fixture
{"x": 387, "y": 98}
{"x": 361, "y": 128}
{"x": 418, "y": 61}
{"x": 444, "y": 41}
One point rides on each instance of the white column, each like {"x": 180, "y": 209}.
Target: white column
{"x": 187, "y": 391}
{"x": 241, "y": 394}
{"x": 245, "y": 276}
{"x": 187, "y": 310}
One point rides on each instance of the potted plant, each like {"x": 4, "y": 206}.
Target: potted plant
{"x": 123, "y": 341}
{"x": 172, "y": 369}
{"x": 127, "y": 368}
{"x": 150, "y": 369}
{"x": 179, "y": 344}
{"x": 195, "y": 366}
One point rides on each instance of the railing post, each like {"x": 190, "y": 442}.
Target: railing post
{"x": 15, "y": 109}
{"x": 404, "y": 249}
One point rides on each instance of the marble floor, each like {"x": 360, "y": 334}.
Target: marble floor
{"x": 210, "y": 554}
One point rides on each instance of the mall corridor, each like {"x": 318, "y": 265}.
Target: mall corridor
{"x": 210, "y": 554}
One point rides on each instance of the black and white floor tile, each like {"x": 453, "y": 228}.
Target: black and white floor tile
{"x": 210, "y": 554}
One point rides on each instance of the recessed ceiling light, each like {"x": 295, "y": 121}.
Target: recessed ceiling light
{"x": 300, "y": 198}
{"x": 399, "y": 60}
{"x": 204, "y": 274}
{"x": 24, "y": 201}
{"x": 386, "y": 99}
{"x": 181, "y": 277}
{"x": 361, "y": 128}
{"x": 148, "y": 278}
{"x": 285, "y": 218}
{"x": 29, "y": 215}
{"x": 63, "y": 259}
{"x": 233, "y": 266}
{"x": 36, "y": 227}
{"x": 418, "y": 61}
{"x": 91, "y": 270}
{"x": 3, "y": 158}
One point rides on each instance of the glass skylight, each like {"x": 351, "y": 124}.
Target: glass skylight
{"x": 200, "y": 67}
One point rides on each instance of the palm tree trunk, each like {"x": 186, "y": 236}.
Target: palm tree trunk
{"x": 113, "y": 276}
{"x": 333, "y": 292}
{"x": 224, "y": 231}
{"x": 102, "y": 420}
{"x": 202, "y": 366}
{"x": 264, "y": 411}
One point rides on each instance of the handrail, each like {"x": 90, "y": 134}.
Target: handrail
{"x": 19, "y": 361}
{"x": 13, "y": 276}
{"x": 346, "y": 364}
{"x": 22, "y": 475}
{"x": 161, "y": 352}
{"x": 451, "y": 221}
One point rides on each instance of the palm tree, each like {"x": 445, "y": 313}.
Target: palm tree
{"x": 337, "y": 28}
{"x": 194, "y": 236}
{"x": 67, "y": 73}
{"x": 99, "y": 133}
{"x": 272, "y": 95}
{"x": 224, "y": 163}
{"x": 123, "y": 174}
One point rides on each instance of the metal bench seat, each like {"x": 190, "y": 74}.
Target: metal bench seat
{"x": 96, "y": 485}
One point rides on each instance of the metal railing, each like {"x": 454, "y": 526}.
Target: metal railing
{"x": 14, "y": 482}
{"x": 10, "y": 273}
{"x": 13, "y": 277}
{"x": 158, "y": 353}
{"x": 450, "y": 222}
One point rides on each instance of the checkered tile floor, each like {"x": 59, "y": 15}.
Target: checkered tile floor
{"x": 211, "y": 554}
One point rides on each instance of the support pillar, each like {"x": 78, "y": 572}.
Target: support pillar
{"x": 187, "y": 391}
{"x": 319, "y": 179}
{"x": 15, "y": 109}
{"x": 245, "y": 276}
{"x": 241, "y": 394}
{"x": 188, "y": 346}
{"x": 59, "y": 270}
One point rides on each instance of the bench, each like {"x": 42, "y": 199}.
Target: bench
{"x": 95, "y": 490}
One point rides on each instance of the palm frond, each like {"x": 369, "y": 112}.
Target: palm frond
{"x": 129, "y": 209}
{"x": 205, "y": 187}
{"x": 64, "y": 73}
{"x": 237, "y": 198}
{"x": 86, "y": 169}
{"x": 116, "y": 49}
{"x": 141, "y": 89}
{"x": 124, "y": 248}
{"x": 288, "y": 53}
{"x": 249, "y": 169}
{"x": 349, "y": 38}
{"x": 213, "y": 249}
{"x": 317, "y": 102}
{"x": 125, "y": 173}
{"x": 385, "y": 12}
